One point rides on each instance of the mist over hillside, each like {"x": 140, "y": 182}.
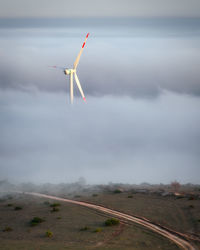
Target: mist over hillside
{"x": 81, "y": 188}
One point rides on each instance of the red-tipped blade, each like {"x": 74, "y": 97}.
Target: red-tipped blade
{"x": 79, "y": 55}
{"x": 56, "y": 67}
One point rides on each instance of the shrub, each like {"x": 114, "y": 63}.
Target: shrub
{"x": 191, "y": 206}
{"x": 7, "y": 229}
{"x": 95, "y": 195}
{"x": 9, "y": 205}
{"x": 55, "y": 209}
{"x": 36, "y": 220}
{"x": 55, "y": 205}
{"x": 18, "y": 208}
{"x": 112, "y": 222}
{"x": 49, "y": 234}
{"x": 84, "y": 228}
{"x": 117, "y": 191}
{"x": 77, "y": 196}
{"x": 130, "y": 196}
{"x": 59, "y": 218}
{"x": 98, "y": 230}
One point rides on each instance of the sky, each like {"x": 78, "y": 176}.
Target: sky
{"x": 96, "y": 8}
{"x": 140, "y": 75}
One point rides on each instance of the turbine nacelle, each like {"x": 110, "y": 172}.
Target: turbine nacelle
{"x": 69, "y": 71}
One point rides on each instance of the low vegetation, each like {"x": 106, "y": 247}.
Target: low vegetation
{"x": 117, "y": 191}
{"x": 95, "y": 195}
{"x": 98, "y": 230}
{"x": 77, "y": 196}
{"x": 36, "y": 220}
{"x": 9, "y": 205}
{"x": 7, "y": 229}
{"x": 49, "y": 234}
{"x": 130, "y": 196}
{"x": 112, "y": 222}
{"x": 55, "y": 209}
{"x": 55, "y": 205}
{"x": 18, "y": 208}
{"x": 86, "y": 228}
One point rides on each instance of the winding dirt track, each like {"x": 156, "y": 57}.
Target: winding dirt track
{"x": 180, "y": 241}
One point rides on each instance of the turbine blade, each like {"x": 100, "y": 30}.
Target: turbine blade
{"x": 56, "y": 67}
{"x": 79, "y": 86}
{"x": 79, "y": 55}
{"x": 71, "y": 88}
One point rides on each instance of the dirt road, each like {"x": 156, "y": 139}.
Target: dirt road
{"x": 176, "y": 238}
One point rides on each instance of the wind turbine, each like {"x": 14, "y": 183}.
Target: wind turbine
{"x": 72, "y": 74}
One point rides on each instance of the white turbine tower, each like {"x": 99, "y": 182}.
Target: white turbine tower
{"x": 72, "y": 74}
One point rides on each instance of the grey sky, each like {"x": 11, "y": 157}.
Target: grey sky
{"x": 96, "y": 8}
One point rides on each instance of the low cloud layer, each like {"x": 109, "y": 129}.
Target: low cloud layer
{"x": 108, "y": 139}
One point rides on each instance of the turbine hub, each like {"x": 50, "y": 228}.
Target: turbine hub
{"x": 66, "y": 71}
{"x": 69, "y": 71}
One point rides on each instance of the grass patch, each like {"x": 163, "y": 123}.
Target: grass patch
{"x": 98, "y": 230}
{"x": 49, "y": 234}
{"x": 77, "y": 196}
{"x": 7, "y": 229}
{"x": 85, "y": 228}
{"x": 18, "y": 208}
{"x": 55, "y": 209}
{"x": 117, "y": 191}
{"x": 112, "y": 222}
{"x": 130, "y": 196}
{"x": 36, "y": 220}
{"x": 55, "y": 205}
{"x": 9, "y": 205}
